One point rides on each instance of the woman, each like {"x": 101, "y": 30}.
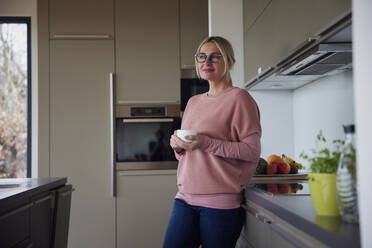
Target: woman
{"x": 219, "y": 161}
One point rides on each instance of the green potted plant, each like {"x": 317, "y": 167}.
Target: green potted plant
{"x": 322, "y": 179}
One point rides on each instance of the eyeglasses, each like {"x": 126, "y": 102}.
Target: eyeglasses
{"x": 213, "y": 57}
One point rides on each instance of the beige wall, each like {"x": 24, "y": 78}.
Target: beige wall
{"x": 29, "y": 8}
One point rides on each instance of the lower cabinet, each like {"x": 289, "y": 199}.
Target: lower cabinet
{"x": 277, "y": 241}
{"x": 262, "y": 229}
{"x": 62, "y": 208}
{"x": 41, "y": 219}
{"x": 35, "y": 221}
{"x": 255, "y": 232}
{"x": 14, "y": 223}
{"x": 144, "y": 204}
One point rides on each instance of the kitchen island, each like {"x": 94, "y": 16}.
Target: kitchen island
{"x": 281, "y": 214}
{"x": 34, "y": 212}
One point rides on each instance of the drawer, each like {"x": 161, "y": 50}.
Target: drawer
{"x": 15, "y": 224}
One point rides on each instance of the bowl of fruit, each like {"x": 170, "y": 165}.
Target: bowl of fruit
{"x": 279, "y": 166}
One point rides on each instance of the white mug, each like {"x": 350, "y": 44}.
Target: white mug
{"x": 182, "y": 133}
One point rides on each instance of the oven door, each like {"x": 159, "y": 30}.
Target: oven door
{"x": 143, "y": 143}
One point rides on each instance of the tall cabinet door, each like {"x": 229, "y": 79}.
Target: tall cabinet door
{"x": 147, "y": 50}
{"x": 80, "y": 141}
{"x": 83, "y": 17}
{"x": 193, "y": 29}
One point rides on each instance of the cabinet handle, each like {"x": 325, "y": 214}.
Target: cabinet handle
{"x": 148, "y": 120}
{"x": 66, "y": 193}
{"x": 148, "y": 101}
{"x": 45, "y": 198}
{"x": 16, "y": 211}
{"x": 261, "y": 217}
{"x": 112, "y": 134}
{"x": 82, "y": 36}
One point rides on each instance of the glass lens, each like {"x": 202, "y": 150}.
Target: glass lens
{"x": 200, "y": 57}
{"x": 213, "y": 57}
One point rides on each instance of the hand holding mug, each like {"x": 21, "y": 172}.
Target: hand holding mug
{"x": 186, "y": 140}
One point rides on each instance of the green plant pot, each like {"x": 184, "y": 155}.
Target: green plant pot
{"x": 323, "y": 193}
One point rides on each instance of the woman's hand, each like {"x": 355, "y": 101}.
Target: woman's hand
{"x": 175, "y": 143}
{"x": 179, "y": 145}
{"x": 196, "y": 142}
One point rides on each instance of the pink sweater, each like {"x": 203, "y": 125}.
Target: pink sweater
{"x": 214, "y": 175}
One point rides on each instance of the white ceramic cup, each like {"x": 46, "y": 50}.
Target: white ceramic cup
{"x": 182, "y": 133}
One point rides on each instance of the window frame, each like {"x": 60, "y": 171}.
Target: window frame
{"x": 25, "y": 20}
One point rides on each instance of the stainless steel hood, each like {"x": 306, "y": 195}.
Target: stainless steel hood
{"x": 326, "y": 53}
{"x": 321, "y": 59}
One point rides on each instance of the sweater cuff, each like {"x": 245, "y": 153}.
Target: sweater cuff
{"x": 206, "y": 143}
{"x": 178, "y": 155}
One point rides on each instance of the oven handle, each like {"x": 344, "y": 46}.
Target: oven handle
{"x": 148, "y": 120}
{"x": 112, "y": 134}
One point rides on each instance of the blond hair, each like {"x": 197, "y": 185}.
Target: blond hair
{"x": 226, "y": 50}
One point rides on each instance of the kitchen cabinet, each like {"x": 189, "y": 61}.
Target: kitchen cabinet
{"x": 147, "y": 50}
{"x": 255, "y": 232}
{"x": 14, "y": 223}
{"x": 264, "y": 229}
{"x": 252, "y": 10}
{"x": 193, "y": 29}
{"x": 41, "y": 219}
{"x": 80, "y": 135}
{"x": 62, "y": 207}
{"x": 28, "y": 213}
{"x": 83, "y": 18}
{"x": 282, "y": 26}
{"x": 144, "y": 204}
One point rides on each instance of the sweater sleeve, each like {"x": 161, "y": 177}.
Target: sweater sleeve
{"x": 249, "y": 149}
{"x": 245, "y": 127}
{"x": 178, "y": 155}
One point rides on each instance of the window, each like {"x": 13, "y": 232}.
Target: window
{"x": 15, "y": 97}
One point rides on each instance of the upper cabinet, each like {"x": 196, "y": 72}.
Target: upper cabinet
{"x": 147, "y": 50}
{"x": 273, "y": 29}
{"x": 252, "y": 10}
{"x": 193, "y": 29}
{"x": 153, "y": 40}
{"x": 83, "y": 18}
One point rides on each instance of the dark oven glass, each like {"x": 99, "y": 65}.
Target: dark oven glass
{"x": 145, "y": 141}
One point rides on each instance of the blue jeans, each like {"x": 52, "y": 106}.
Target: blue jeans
{"x": 189, "y": 226}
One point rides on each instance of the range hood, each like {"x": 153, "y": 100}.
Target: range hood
{"x": 326, "y": 53}
{"x": 321, "y": 59}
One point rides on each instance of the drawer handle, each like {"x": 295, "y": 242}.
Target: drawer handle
{"x": 16, "y": 211}
{"x": 43, "y": 199}
{"x": 149, "y": 120}
{"x": 69, "y": 192}
{"x": 82, "y": 36}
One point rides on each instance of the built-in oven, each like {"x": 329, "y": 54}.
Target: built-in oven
{"x": 142, "y": 136}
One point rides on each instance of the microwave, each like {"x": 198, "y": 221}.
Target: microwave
{"x": 143, "y": 132}
{"x": 191, "y": 87}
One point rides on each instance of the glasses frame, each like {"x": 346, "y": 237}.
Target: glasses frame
{"x": 208, "y": 57}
